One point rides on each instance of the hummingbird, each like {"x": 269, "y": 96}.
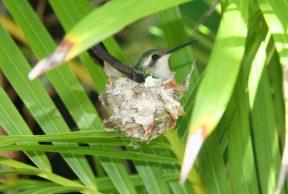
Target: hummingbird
{"x": 153, "y": 62}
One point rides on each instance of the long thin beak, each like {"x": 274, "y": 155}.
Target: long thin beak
{"x": 180, "y": 47}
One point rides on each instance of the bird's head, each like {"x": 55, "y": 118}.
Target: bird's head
{"x": 155, "y": 62}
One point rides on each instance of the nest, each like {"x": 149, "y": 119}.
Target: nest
{"x": 143, "y": 110}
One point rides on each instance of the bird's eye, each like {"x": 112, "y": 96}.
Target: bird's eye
{"x": 155, "y": 56}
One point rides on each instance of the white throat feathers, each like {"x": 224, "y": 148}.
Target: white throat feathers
{"x": 161, "y": 69}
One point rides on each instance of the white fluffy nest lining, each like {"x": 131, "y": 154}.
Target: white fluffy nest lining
{"x": 143, "y": 110}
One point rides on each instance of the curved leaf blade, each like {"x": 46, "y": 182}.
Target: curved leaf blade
{"x": 109, "y": 19}
{"x": 218, "y": 82}
{"x": 104, "y": 152}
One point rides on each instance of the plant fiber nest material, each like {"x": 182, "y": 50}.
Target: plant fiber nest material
{"x": 143, "y": 110}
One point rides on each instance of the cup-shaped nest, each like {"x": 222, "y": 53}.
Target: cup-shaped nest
{"x": 142, "y": 110}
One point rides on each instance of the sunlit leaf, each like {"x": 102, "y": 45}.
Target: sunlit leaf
{"x": 218, "y": 82}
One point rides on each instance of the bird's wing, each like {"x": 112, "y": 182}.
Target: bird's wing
{"x": 100, "y": 54}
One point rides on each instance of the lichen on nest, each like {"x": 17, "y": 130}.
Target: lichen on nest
{"x": 143, "y": 110}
